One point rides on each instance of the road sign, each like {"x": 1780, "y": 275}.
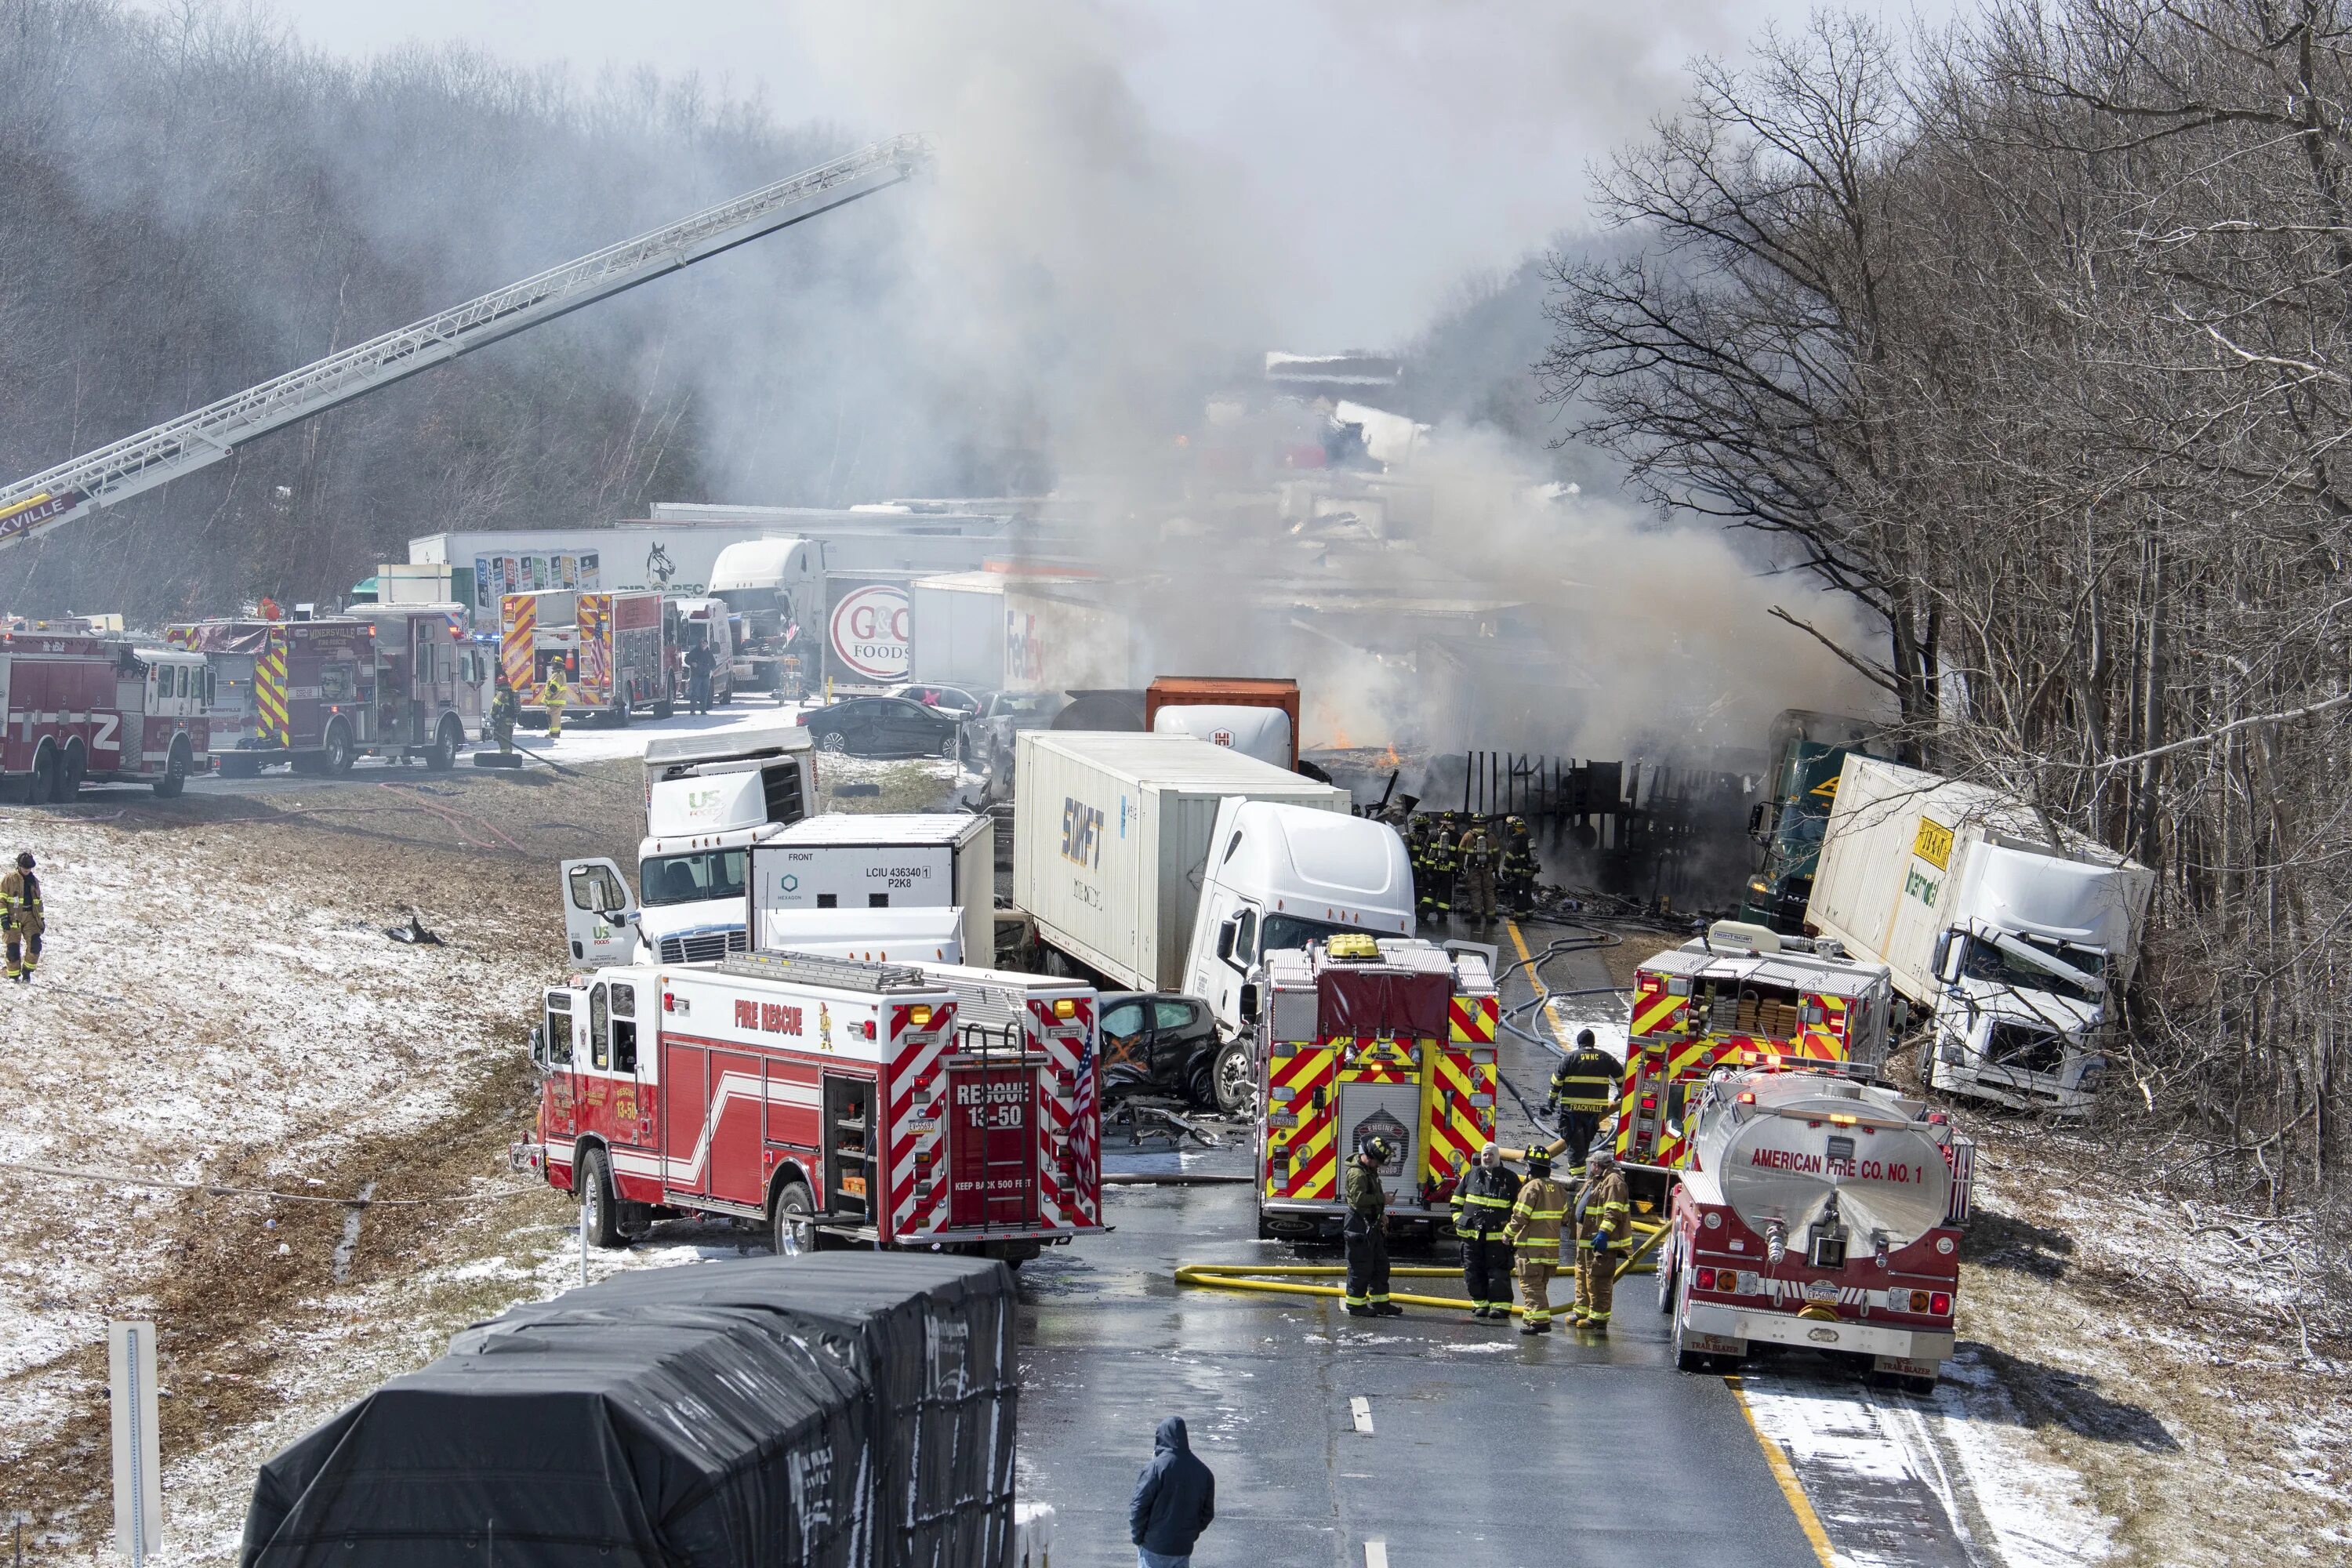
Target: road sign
{"x": 138, "y": 1456}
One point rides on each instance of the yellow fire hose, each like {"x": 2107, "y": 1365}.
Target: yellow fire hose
{"x": 1248, "y": 1276}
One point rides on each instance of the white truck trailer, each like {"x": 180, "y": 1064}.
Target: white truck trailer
{"x": 1168, "y": 863}
{"x": 2017, "y": 940}
{"x": 896, "y": 886}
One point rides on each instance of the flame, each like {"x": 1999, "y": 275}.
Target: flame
{"x": 1339, "y": 738}
{"x": 1389, "y": 759}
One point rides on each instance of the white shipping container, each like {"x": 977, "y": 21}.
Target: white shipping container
{"x": 854, "y": 863}
{"x": 1111, "y": 837}
{"x": 959, "y": 630}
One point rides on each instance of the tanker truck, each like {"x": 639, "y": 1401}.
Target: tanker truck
{"x": 1816, "y": 1210}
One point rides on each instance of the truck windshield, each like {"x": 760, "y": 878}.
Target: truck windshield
{"x": 1289, "y": 930}
{"x": 1998, "y": 967}
{"x": 693, "y": 878}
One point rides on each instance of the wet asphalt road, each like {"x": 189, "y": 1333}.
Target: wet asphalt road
{"x": 1487, "y": 1447}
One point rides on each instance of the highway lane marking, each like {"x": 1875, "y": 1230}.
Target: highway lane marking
{"x": 1361, "y": 1409}
{"x": 1775, "y": 1460}
{"x": 1551, "y": 1008}
{"x": 1376, "y": 1554}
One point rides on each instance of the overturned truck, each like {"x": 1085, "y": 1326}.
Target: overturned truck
{"x": 848, "y": 1412}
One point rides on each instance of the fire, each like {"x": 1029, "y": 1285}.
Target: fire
{"x": 1389, "y": 759}
{"x": 1339, "y": 738}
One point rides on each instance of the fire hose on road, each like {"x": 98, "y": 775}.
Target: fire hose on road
{"x": 1288, "y": 1278}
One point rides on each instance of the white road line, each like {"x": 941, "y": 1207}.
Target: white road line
{"x": 1376, "y": 1554}
{"x": 1361, "y": 1409}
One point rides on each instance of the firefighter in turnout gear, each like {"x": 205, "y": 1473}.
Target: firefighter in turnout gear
{"x": 1478, "y": 855}
{"x": 1438, "y": 904}
{"x": 1604, "y": 1223}
{"x": 1533, "y": 1232}
{"x": 1516, "y": 881}
{"x": 554, "y": 694}
{"x": 504, "y": 711}
{"x": 1483, "y": 1200}
{"x": 1417, "y": 840}
{"x": 1583, "y": 1088}
{"x": 1367, "y": 1233}
{"x": 20, "y": 915}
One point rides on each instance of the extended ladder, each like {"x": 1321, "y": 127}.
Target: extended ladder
{"x": 180, "y": 446}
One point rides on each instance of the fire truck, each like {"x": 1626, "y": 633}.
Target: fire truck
{"x": 87, "y": 709}
{"x": 826, "y": 1100}
{"x": 1738, "y": 992}
{"x": 610, "y": 646}
{"x": 1364, "y": 1038}
{"x": 1818, "y": 1211}
{"x": 399, "y": 680}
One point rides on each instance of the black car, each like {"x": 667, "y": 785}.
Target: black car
{"x": 884, "y": 727}
{"x": 1155, "y": 1042}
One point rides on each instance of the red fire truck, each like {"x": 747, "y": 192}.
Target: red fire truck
{"x": 85, "y": 709}
{"x": 610, "y": 646}
{"x": 1739, "y": 994}
{"x": 824, "y": 1099}
{"x": 1392, "y": 1038}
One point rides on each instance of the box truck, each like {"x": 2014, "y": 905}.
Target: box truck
{"x": 1168, "y": 863}
{"x": 2016, "y": 937}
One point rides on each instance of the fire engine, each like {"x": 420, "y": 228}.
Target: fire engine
{"x": 85, "y": 709}
{"x": 1367, "y": 1036}
{"x": 610, "y": 646}
{"x": 1737, "y": 993}
{"x": 824, "y": 1099}
{"x": 1818, "y": 1211}
{"x": 398, "y": 680}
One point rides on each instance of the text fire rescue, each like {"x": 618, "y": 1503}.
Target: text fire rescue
{"x": 773, "y": 1017}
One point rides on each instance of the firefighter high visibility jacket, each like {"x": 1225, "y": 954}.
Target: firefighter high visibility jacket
{"x": 1483, "y": 1199}
{"x": 20, "y": 901}
{"x": 1604, "y": 1205}
{"x": 555, "y": 692}
{"x": 1587, "y": 1080}
{"x": 1534, "y": 1224}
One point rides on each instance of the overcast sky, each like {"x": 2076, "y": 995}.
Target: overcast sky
{"x": 1395, "y": 146}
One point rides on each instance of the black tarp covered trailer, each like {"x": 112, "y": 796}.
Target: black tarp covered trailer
{"x": 850, "y": 1409}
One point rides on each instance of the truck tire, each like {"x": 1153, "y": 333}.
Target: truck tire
{"x": 790, "y": 1231}
{"x": 443, "y": 756}
{"x": 335, "y": 753}
{"x": 1669, "y": 1267}
{"x": 41, "y": 784}
{"x": 1685, "y": 1359}
{"x": 71, "y": 772}
{"x": 174, "y": 777}
{"x": 602, "y": 1212}
{"x": 1233, "y": 1077}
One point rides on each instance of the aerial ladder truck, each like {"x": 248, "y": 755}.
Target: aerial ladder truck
{"x": 156, "y": 457}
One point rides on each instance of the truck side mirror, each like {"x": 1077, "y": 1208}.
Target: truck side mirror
{"x": 1756, "y": 820}
{"x": 1249, "y": 998}
{"x": 1225, "y": 935}
{"x": 538, "y": 1045}
{"x": 1947, "y": 957}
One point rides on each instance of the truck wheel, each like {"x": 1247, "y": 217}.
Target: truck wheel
{"x": 1687, "y": 1360}
{"x": 42, "y": 786}
{"x": 601, "y": 1212}
{"x": 175, "y": 769}
{"x": 446, "y": 741}
{"x": 238, "y": 765}
{"x": 1669, "y": 1269}
{"x": 1233, "y": 1079}
{"x": 335, "y": 750}
{"x": 790, "y": 1230}
{"x": 70, "y": 775}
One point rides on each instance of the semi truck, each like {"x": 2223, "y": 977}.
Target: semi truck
{"x": 2014, "y": 936}
{"x": 1808, "y": 753}
{"x": 612, "y": 648}
{"x": 1816, "y": 1211}
{"x": 1371, "y": 1037}
{"x": 1168, "y": 863}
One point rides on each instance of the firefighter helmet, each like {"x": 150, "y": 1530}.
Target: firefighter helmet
{"x": 1379, "y": 1148}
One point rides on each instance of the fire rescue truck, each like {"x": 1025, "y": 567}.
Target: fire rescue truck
{"x": 824, "y": 1099}
{"x": 1818, "y": 1211}
{"x": 399, "y": 680}
{"x": 1364, "y": 1038}
{"x": 1737, "y": 993}
{"x": 610, "y": 646}
{"x": 84, "y": 709}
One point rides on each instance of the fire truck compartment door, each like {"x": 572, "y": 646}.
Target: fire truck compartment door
{"x": 738, "y": 1098}
{"x": 685, "y": 1104}
{"x": 850, "y": 1174}
{"x": 1390, "y": 1110}
{"x": 600, "y": 915}
{"x": 992, "y": 1145}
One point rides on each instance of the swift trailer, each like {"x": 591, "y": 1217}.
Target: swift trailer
{"x": 914, "y": 886}
{"x": 2015, "y": 938}
{"x": 1391, "y": 1038}
{"x": 1816, "y": 1212}
{"x": 1169, "y": 863}
{"x": 825, "y": 1100}
{"x": 611, "y": 649}
{"x": 80, "y": 709}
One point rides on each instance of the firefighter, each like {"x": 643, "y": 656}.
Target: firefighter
{"x": 1476, "y": 857}
{"x": 1482, "y": 1207}
{"x": 1516, "y": 878}
{"x": 21, "y": 919}
{"x": 554, "y": 694}
{"x": 1583, "y": 1086}
{"x": 1439, "y": 904}
{"x": 504, "y": 711}
{"x": 1533, "y": 1231}
{"x": 1604, "y": 1223}
{"x": 1366, "y": 1232}
{"x": 1425, "y": 878}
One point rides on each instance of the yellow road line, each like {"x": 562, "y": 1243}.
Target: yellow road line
{"x": 1551, "y": 1008}
{"x": 1777, "y": 1460}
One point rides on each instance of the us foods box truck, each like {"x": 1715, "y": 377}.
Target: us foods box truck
{"x": 1169, "y": 863}
{"x": 2017, "y": 942}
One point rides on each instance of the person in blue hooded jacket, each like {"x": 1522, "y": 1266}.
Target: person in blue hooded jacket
{"x": 1175, "y": 1498}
